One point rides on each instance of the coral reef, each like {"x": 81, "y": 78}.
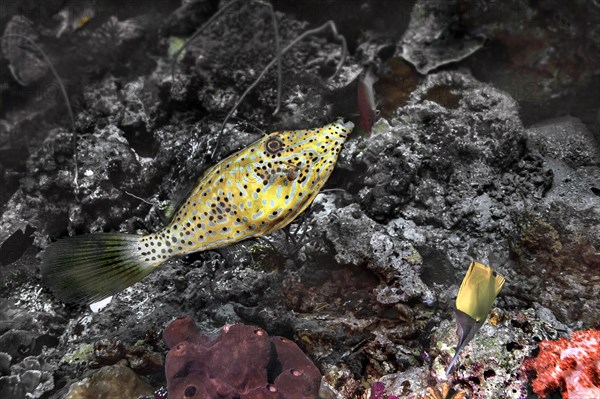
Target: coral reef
{"x": 569, "y": 365}
{"x": 489, "y": 366}
{"x": 552, "y": 56}
{"x": 557, "y": 241}
{"x": 431, "y": 38}
{"x": 140, "y": 358}
{"x": 30, "y": 378}
{"x": 464, "y": 165}
{"x": 242, "y": 361}
{"x": 442, "y": 391}
{"x": 118, "y": 382}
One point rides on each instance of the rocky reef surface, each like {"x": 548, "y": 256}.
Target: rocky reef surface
{"x": 364, "y": 282}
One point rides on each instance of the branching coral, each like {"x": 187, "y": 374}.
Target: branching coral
{"x": 241, "y": 362}
{"x": 573, "y": 366}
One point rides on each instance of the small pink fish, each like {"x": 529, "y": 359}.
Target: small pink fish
{"x": 366, "y": 99}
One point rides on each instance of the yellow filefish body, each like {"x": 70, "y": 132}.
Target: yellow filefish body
{"x": 251, "y": 193}
{"x": 478, "y": 291}
{"x": 476, "y": 295}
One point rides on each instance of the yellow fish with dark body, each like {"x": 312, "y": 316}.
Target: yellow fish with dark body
{"x": 251, "y": 193}
{"x": 474, "y": 302}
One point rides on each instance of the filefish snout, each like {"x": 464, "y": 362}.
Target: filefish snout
{"x": 345, "y": 127}
{"x": 307, "y": 155}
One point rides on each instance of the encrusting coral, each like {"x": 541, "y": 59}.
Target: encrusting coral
{"x": 571, "y": 365}
{"x": 442, "y": 391}
{"x": 378, "y": 391}
{"x": 242, "y": 361}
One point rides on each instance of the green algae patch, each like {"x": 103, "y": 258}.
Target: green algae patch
{"x": 82, "y": 353}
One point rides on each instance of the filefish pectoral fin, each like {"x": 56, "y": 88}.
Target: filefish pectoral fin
{"x": 301, "y": 205}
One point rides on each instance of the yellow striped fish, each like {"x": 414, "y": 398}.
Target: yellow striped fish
{"x": 251, "y": 193}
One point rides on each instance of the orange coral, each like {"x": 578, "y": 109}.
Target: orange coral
{"x": 573, "y": 366}
{"x": 446, "y": 392}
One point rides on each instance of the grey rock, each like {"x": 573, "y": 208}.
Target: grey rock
{"x": 559, "y": 249}
{"x": 29, "y": 379}
{"x": 579, "y": 187}
{"x": 545, "y": 315}
{"x": 188, "y": 17}
{"x": 5, "y": 360}
{"x": 431, "y": 38}
{"x": 11, "y": 387}
{"x": 357, "y": 242}
{"x": 565, "y": 139}
{"x": 29, "y": 363}
{"x": 240, "y": 284}
{"x": 557, "y": 241}
{"x": 439, "y": 158}
{"x": 18, "y": 343}
{"x": 26, "y": 63}
{"x": 37, "y": 382}
{"x": 14, "y": 318}
{"x": 465, "y": 169}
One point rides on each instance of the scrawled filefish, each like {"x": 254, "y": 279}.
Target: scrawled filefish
{"x": 251, "y": 193}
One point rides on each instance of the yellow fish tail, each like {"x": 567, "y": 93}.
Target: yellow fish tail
{"x": 92, "y": 267}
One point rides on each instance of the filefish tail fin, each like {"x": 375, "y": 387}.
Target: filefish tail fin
{"x": 466, "y": 328}
{"x": 92, "y": 267}
{"x": 449, "y": 369}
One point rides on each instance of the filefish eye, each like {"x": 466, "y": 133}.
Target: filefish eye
{"x": 274, "y": 145}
